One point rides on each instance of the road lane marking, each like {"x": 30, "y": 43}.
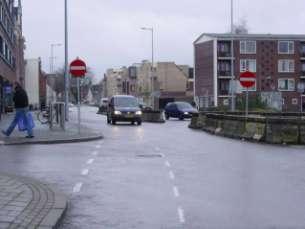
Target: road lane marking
{"x": 157, "y": 148}
{"x": 176, "y": 191}
{"x": 94, "y": 153}
{"x": 77, "y": 187}
{"x": 85, "y": 172}
{"x": 167, "y": 164}
{"x": 90, "y": 161}
{"x": 98, "y": 146}
{"x": 181, "y": 215}
{"x": 171, "y": 175}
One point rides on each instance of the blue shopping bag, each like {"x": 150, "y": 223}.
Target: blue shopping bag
{"x": 26, "y": 120}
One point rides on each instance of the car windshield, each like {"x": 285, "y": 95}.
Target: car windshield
{"x": 126, "y": 102}
{"x": 184, "y": 106}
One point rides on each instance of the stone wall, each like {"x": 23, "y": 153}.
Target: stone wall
{"x": 272, "y": 128}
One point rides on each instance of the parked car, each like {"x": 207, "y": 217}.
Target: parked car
{"x": 179, "y": 110}
{"x": 123, "y": 108}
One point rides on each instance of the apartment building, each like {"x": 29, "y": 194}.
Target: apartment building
{"x": 154, "y": 86}
{"x": 11, "y": 50}
{"x": 277, "y": 60}
{"x": 119, "y": 81}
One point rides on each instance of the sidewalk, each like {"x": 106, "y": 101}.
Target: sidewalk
{"x": 26, "y": 203}
{"x": 43, "y": 135}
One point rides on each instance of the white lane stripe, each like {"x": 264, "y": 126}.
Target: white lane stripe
{"x": 167, "y": 164}
{"x": 94, "y": 153}
{"x": 98, "y": 146}
{"x": 90, "y": 161}
{"x": 171, "y": 175}
{"x": 85, "y": 172}
{"x": 157, "y": 148}
{"x": 181, "y": 215}
{"x": 77, "y": 187}
{"x": 176, "y": 191}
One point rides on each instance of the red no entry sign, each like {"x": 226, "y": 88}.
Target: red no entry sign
{"x": 78, "y": 68}
{"x": 247, "y": 79}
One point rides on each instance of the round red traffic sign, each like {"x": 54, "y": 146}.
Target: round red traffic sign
{"x": 247, "y": 79}
{"x": 78, "y": 68}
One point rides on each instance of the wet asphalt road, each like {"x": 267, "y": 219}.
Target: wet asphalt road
{"x": 166, "y": 176}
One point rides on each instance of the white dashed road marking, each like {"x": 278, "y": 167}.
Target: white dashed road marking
{"x": 90, "y": 161}
{"x": 167, "y": 164}
{"x": 176, "y": 191}
{"x": 94, "y": 153}
{"x": 98, "y": 146}
{"x": 171, "y": 175}
{"x": 181, "y": 215}
{"x": 157, "y": 148}
{"x": 85, "y": 172}
{"x": 77, "y": 187}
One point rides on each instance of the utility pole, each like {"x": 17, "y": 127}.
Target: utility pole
{"x": 151, "y": 29}
{"x": 232, "y": 59}
{"x": 67, "y": 78}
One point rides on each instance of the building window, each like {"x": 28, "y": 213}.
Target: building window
{"x": 286, "y": 65}
{"x": 286, "y": 47}
{"x": 247, "y": 65}
{"x": 286, "y": 85}
{"x": 248, "y": 47}
{"x": 1, "y": 46}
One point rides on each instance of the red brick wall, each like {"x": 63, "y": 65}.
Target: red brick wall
{"x": 204, "y": 69}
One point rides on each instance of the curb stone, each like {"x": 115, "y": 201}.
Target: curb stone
{"x": 31, "y": 204}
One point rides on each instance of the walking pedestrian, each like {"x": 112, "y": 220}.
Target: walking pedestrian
{"x": 21, "y": 102}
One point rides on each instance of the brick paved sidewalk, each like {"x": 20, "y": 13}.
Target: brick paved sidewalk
{"x": 26, "y": 203}
{"x": 43, "y": 135}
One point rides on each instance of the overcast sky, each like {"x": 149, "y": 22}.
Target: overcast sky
{"x": 107, "y": 34}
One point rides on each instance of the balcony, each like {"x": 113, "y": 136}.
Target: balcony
{"x": 224, "y": 74}
{"x": 302, "y": 74}
{"x": 302, "y": 54}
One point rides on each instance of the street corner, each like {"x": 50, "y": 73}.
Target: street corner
{"x": 28, "y": 203}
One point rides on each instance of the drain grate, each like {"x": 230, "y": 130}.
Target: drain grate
{"x": 149, "y": 155}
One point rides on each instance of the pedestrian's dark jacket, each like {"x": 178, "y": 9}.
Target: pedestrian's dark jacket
{"x": 20, "y": 98}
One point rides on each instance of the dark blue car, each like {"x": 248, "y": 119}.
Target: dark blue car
{"x": 179, "y": 110}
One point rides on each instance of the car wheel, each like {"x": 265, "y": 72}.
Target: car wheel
{"x": 132, "y": 123}
{"x": 139, "y": 123}
{"x": 113, "y": 122}
{"x": 167, "y": 116}
{"x": 108, "y": 120}
{"x": 181, "y": 118}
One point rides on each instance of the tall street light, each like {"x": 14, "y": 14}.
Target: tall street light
{"x": 232, "y": 59}
{"x": 52, "y": 58}
{"x": 67, "y": 86}
{"x": 151, "y": 29}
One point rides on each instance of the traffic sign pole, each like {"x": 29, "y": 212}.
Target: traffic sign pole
{"x": 247, "y": 80}
{"x": 78, "y": 105}
{"x": 78, "y": 69}
{"x": 247, "y": 102}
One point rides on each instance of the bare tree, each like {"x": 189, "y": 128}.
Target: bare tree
{"x": 241, "y": 27}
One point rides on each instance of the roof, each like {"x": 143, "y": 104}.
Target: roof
{"x": 210, "y": 36}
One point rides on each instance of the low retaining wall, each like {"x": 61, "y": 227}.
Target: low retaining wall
{"x": 274, "y": 129}
{"x": 153, "y": 116}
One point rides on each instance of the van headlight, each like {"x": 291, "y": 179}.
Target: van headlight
{"x": 139, "y": 113}
{"x": 186, "y": 113}
{"x": 117, "y": 112}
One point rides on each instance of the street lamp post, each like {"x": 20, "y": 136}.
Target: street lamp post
{"x": 232, "y": 59}
{"x": 52, "y": 60}
{"x": 151, "y": 29}
{"x": 67, "y": 86}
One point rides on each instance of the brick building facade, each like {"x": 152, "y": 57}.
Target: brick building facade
{"x": 11, "y": 50}
{"x": 277, "y": 60}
